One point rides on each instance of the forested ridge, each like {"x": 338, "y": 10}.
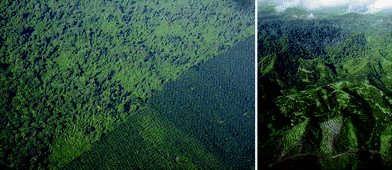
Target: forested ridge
{"x": 73, "y": 70}
{"x": 324, "y": 90}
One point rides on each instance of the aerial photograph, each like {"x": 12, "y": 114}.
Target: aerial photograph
{"x": 130, "y": 84}
{"x": 324, "y": 84}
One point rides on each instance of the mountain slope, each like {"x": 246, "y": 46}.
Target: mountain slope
{"x": 323, "y": 91}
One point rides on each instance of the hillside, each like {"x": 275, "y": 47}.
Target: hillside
{"x": 324, "y": 91}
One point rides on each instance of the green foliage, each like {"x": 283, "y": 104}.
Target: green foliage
{"x": 267, "y": 66}
{"x": 299, "y": 11}
{"x": 344, "y": 95}
{"x": 249, "y": 31}
{"x": 386, "y": 140}
{"x": 73, "y": 70}
{"x": 293, "y": 139}
{"x": 151, "y": 142}
{"x": 343, "y": 114}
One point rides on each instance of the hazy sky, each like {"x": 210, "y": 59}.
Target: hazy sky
{"x": 372, "y": 6}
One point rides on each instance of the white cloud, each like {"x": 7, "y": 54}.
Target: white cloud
{"x": 371, "y": 6}
{"x": 379, "y": 5}
{"x": 311, "y": 16}
{"x": 286, "y": 4}
{"x": 314, "y": 4}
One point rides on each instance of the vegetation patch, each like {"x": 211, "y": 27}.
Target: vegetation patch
{"x": 71, "y": 71}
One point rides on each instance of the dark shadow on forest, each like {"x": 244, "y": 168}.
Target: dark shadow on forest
{"x": 217, "y": 100}
{"x": 245, "y": 4}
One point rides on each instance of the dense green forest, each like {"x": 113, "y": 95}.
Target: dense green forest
{"x": 325, "y": 96}
{"x": 202, "y": 120}
{"x": 71, "y": 71}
